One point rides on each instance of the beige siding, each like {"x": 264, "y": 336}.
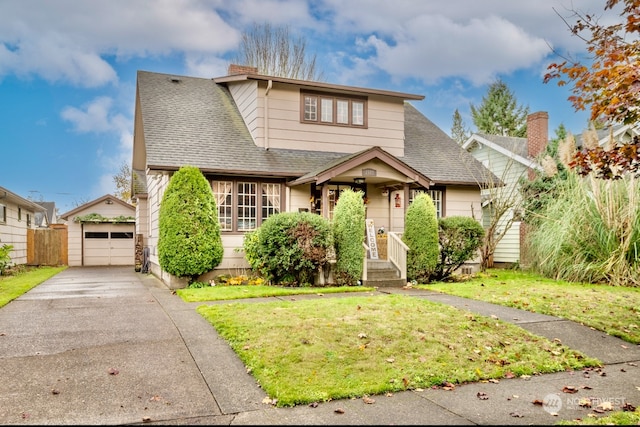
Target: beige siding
{"x": 75, "y": 230}
{"x": 14, "y": 232}
{"x": 157, "y": 184}
{"x": 245, "y": 95}
{"x": 284, "y": 130}
{"x": 463, "y": 201}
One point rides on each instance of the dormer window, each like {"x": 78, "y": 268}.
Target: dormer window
{"x": 333, "y": 109}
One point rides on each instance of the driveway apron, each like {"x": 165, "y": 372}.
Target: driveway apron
{"x": 97, "y": 346}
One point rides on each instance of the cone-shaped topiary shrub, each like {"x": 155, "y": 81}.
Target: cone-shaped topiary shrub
{"x": 189, "y": 241}
{"x": 348, "y": 236}
{"x": 421, "y": 236}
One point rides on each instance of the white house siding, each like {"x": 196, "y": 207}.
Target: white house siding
{"x": 157, "y": 184}
{"x": 385, "y": 123}
{"x": 510, "y": 172}
{"x": 14, "y": 232}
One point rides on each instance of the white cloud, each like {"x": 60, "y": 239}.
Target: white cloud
{"x": 68, "y": 40}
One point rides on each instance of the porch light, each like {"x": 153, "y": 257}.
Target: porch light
{"x": 358, "y": 181}
{"x": 385, "y": 192}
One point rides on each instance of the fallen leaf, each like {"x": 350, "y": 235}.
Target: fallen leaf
{"x": 509, "y": 375}
{"x": 339, "y": 411}
{"x": 362, "y": 335}
{"x": 586, "y": 387}
{"x": 55, "y": 391}
{"x": 585, "y": 402}
{"x": 405, "y": 381}
{"x": 155, "y": 398}
{"x": 606, "y": 406}
{"x": 368, "y": 400}
{"x": 146, "y": 419}
{"x": 592, "y": 416}
{"x": 113, "y": 371}
{"x": 623, "y": 346}
{"x": 627, "y": 407}
{"x": 493, "y": 380}
{"x": 448, "y": 386}
{"x": 537, "y": 402}
{"x": 482, "y": 395}
{"x": 493, "y": 316}
{"x": 313, "y": 405}
{"x": 391, "y": 360}
{"x": 516, "y": 415}
{"x": 569, "y": 389}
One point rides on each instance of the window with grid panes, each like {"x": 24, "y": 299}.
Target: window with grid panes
{"x": 241, "y": 208}
{"x": 329, "y": 109}
{"x": 436, "y": 197}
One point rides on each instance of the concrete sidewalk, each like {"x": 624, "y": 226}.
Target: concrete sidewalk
{"x": 111, "y": 346}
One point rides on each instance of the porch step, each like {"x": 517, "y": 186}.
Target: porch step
{"x": 382, "y": 274}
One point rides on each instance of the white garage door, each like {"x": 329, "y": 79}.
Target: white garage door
{"x": 108, "y": 244}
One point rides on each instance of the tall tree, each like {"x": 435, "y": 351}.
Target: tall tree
{"x": 276, "y": 53}
{"x": 499, "y": 112}
{"x": 122, "y": 180}
{"x": 609, "y": 85}
{"x": 459, "y": 131}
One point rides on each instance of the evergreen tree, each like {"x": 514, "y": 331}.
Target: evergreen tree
{"x": 499, "y": 112}
{"x": 189, "y": 241}
{"x": 459, "y": 131}
{"x": 348, "y": 235}
{"x": 421, "y": 236}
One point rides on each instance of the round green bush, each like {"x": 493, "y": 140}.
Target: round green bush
{"x": 460, "y": 238}
{"x": 289, "y": 247}
{"x": 189, "y": 241}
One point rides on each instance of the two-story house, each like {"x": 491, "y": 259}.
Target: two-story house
{"x": 271, "y": 144}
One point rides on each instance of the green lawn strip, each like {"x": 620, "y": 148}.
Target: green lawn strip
{"x": 614, "y": 310}
{"x": 11, "y": 287}
{"x": 220, "y": 293}
{"x": 317, "y": 350}
{"x": 618, "y": 418}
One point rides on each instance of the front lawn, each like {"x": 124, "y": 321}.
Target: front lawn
{"x": 16, "y": 284}
{"x": 614, "y": 310}
{"x": 220, "y": 293}
{"x": 317, "y": 350}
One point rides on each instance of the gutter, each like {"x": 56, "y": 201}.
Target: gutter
{"x": 266, "y": 114}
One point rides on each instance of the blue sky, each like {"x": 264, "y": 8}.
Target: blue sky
{"x": 68, "y": 67}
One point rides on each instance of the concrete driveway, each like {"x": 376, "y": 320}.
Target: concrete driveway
{"x": 108, "y": 345}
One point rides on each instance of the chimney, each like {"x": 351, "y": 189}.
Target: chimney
{"x": 537, "y": 132}
{"x": 242, "y": 69}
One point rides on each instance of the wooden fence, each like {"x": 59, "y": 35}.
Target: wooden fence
{"x": 48, "y": 246}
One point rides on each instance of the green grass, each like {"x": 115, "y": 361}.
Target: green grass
{"x": 618, "y": 418}
{"x": 363, "y": 345}
{"x": 220, "y": 293}
{"x": 612, "y": 309}
{"x": 11, "y": 287}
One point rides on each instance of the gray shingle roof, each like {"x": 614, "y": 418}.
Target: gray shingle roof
{"x": 512, "y": 143}
{"x": 194, "y": 121}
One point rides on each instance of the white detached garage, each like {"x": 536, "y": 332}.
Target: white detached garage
{"x": 101, "y": 232}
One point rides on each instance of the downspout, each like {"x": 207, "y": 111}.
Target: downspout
{"x": 266, "y": 114}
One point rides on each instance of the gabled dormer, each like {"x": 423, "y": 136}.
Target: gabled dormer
{"x": 307, "y": 115}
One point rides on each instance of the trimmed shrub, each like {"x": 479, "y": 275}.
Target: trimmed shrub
{"x": 189, "y": 241}
{"x": 289, "y": 247}
{"x": 421, "y": 236}
{"x": 5, "y": 259}
{"x": 460, "y": 238}
{"x": 348, "y": 235}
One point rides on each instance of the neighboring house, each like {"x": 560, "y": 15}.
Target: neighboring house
{"x": 510, "y": 159}
{"x": 620, "y": 133}
{"x": 16, "y": 217}
{"x": 271, "y": 144}
{"x": 48, "y": 216}
{"x": 101, "y": 232}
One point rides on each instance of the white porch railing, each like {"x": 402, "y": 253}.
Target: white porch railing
{"x": 397, "y": 253}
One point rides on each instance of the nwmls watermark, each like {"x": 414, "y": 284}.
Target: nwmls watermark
{"x": 606, "y": 403}
{"x": 552, "y": 403}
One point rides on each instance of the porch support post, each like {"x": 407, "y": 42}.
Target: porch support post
{"x": 325, "y": 199}
{"x": 406, "y": 197}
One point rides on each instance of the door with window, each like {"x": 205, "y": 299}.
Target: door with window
{"x": 108, "y": 244}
